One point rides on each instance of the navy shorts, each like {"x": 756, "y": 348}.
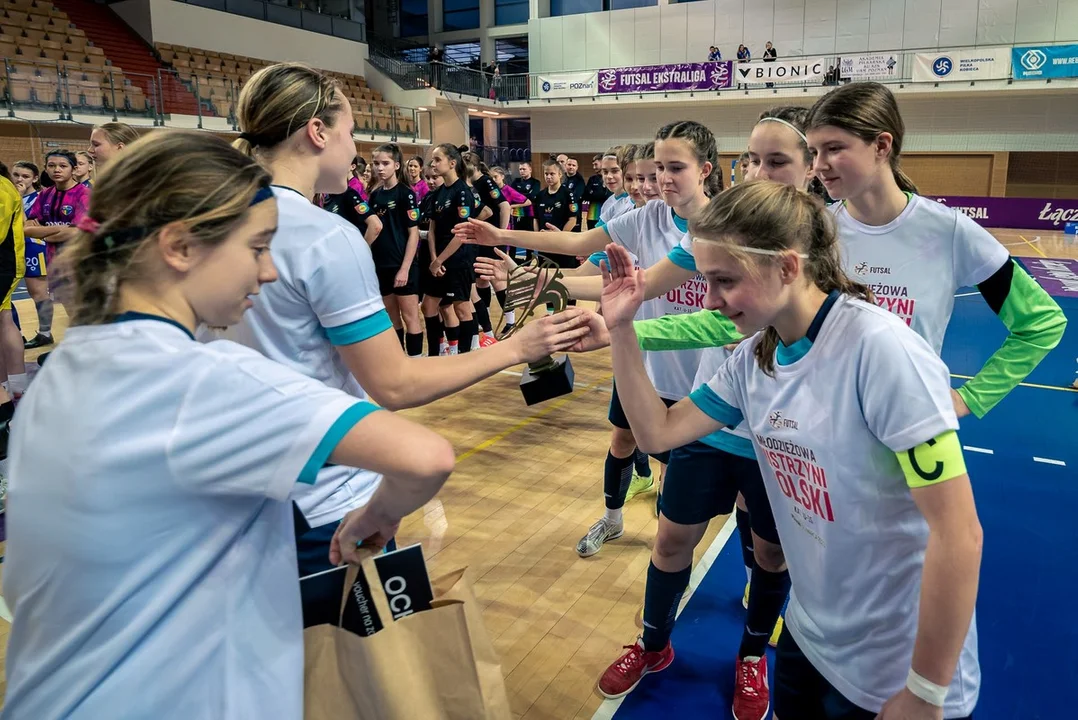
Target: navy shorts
{"x": 617, "y": 418}
{"x": 800, "y": 691}
{"x": 702, "y": 482}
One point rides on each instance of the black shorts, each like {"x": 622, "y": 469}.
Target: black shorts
{"x": 702, "y": 482}
{"x": 798, "y": 690}
{"x": 565, "y": 262}
{"x": 386, "y": 276}
{"x": 455, "y": 286}
{"x": 617, "y": 418}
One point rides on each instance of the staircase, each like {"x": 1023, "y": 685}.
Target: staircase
{"x": 127, "y": 50}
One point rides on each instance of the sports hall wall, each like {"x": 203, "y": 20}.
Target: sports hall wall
{"x": 682, "y": 32}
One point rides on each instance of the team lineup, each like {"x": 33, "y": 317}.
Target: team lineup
{"x": 248, "y": 317}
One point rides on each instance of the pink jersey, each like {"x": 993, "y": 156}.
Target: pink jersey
{"x": 60, "y": 207}
{"x": 357, "y": 185}
{"x": 421, "y": 189}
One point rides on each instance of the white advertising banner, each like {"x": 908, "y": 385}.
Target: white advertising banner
{"x": 563, "y": 85}
{"x": 862, "y": 67}
{"x": 963, "y": 65}
{"x": 780, "y": 71}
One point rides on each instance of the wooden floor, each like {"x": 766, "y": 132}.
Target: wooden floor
{"x": 527, "y": 486}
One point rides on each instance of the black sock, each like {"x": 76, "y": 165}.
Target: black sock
{"x": 744, "y": 529}
{"x": 434, "y": 334}
{"x": 617, "y": 474}
{"x": 468, "y": 329}
{"x": 500, "y": 294}
{"x": 661, "y": 598}
{"x": 767, "y": 594}
{"x": 400, "y": 336}
{"x": 452, "y": 334}
{"x": 643, "y": 464}
{"x": 482, "y": 314}
{"x": 413, "y": 344}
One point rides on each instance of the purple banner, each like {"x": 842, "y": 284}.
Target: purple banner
{"x": 652, "y": 78}
{"x": 1019, "y": 213}
{"x": 1059, "y": 276}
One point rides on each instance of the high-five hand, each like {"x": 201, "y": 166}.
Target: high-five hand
{"x": 623, "y": 286}
{"x": 554, "y": 333}
{"x": 478, "y": 232}
{"x": 496, "y": 270}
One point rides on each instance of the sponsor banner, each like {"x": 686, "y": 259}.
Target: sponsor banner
{"x": 1058, "y": 276}
{"x": 781, "y": 71}
{"x": 1020, "y": 213}
{"x": 657, "y": 78}
{"x": 859, "y": 67}
{"x": 959, "y": 65}
{"x": 563, "y": 85}
{"x": 1045, "y": 61}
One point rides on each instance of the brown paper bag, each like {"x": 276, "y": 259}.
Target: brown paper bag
{"x": 434, "y": 665}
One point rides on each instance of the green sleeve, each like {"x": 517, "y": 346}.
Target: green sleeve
{"x": 695, "y": 331}
{"x": 1036, "y": 324}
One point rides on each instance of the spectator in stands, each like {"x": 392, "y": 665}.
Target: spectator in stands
{"x": 108, "y": 139}
{"x": 743, "y": 56}
{"x": 770, "y": 54}
{"x": 714, "y": 54}
{"x": 436, "y": 58}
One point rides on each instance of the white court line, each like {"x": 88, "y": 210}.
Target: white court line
{"x": 609, "y": 707}
{"x": 1049, "y": 461}
{"x": 986, "y": 451}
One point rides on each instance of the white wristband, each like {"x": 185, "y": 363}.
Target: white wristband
{"x": 927, "y": 690}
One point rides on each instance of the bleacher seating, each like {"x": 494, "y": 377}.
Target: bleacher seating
{"x": 217, "y": 78}
{"x": 48, "y": 62}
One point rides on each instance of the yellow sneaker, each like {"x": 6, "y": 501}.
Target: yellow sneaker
{"x": 639, "y": 485}
{"x": 745, "y": 600}
{"x": 774, "y": 641}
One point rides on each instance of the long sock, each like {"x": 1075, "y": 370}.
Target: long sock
{"x": 468, "y": 329}
{"x": 661, "y": 598}
{"x": 44, "y": 316}
{"x": 17, "y": 383}
{"x": 500, "y": 294}
{"x": 452, "y": 334}
{"x": 482, "y": 314}
{"x": 767, "y": 594}
{"x": 413, "y": 344}
{"x": 434, "y": 334}
{"x": 400, "y": 336}
{"x": 643, "y": 464}
{"x": 617, "y": 474}
{"x": 744, "y": 529}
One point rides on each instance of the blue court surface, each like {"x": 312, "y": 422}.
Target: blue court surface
{"x": 1023, "y": 461}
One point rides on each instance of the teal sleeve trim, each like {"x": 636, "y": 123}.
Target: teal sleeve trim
{"x": 733, "y": 444}
{"x": 1036, "y": 324}
{"x": 692, "y": 331}
{"x": 605, "y": 229}
{"x": 682, "y": 258}
{"x": 715, "y": 407}
{"x": 596, "y": 258}
{"x": 332, "y": 438}
{"x": 600, "y": 223}
{"x": 360, "y": 330}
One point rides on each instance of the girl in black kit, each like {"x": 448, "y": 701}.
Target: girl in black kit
{"x": 394, "y": 250}
{"x": 490, "y": 196}
{"x": 350, "y": 206}
{"x": 556, "y": 206}
{"x": 450, "y": 274}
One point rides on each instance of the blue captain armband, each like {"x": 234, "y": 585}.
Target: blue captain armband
{"x": 682, "y": 258}
{"x": 332, "y": 438}
{"x": 934, "y": 461}
{"x": 360, "y": 330}
{"x": 715, "y": 407}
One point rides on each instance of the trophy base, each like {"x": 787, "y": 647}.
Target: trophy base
{"x": 546, "y": 384}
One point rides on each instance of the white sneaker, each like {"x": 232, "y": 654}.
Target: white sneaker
{"x": 599, "y": 533}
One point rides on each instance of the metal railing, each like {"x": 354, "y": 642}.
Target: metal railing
{"x": 67, "y": 88}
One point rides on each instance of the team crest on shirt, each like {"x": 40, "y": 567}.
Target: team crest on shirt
{"x": 363, "y": 208}
{"x": 413, "y": 214}
{"x": 464, "y": 212}
{"x": 778, "y": 421}
{"x": 495, "y": 192}
{"x": 573, "y": 207}
{"x": 67, "y": 210}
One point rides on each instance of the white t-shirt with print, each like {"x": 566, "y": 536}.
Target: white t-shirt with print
{"x": 326, "y": 295}
{"x": 151, "y": 558}
{"x": 826, "y": 429}
{"x": 649, "y": 233}
{"x": 915, "y": 263}
{"x": 615, "y": 206}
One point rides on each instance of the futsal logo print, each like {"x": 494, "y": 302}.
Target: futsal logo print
{"x": 802, "y": 480}
{"x": 894, "y": 299}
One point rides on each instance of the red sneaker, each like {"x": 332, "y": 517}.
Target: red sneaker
{"x": 486, "y": 340}
{"x": 752, "y": 698}
{"x": 629, "y": 669}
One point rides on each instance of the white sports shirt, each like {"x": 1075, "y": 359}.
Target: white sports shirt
{"x": 151, "y": 563}
{"x": 649, "y": 233}
{"x": 826, "y": 429}
{"x": 326, "y": 295}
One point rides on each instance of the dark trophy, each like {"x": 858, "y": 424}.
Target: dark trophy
{"x": 531, "y": 286}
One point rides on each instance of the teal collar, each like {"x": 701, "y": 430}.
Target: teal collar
{"x": 788, "y": 355}
{"x": 679, "y": 222}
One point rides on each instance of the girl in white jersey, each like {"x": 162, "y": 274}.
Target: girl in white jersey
{"x": 325, "y": 317}
{"x": 685, "y": 157}
{"x": 151, "y": 565}
{"x": 850, "y": 416}
{"x": 915, "y": 253}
